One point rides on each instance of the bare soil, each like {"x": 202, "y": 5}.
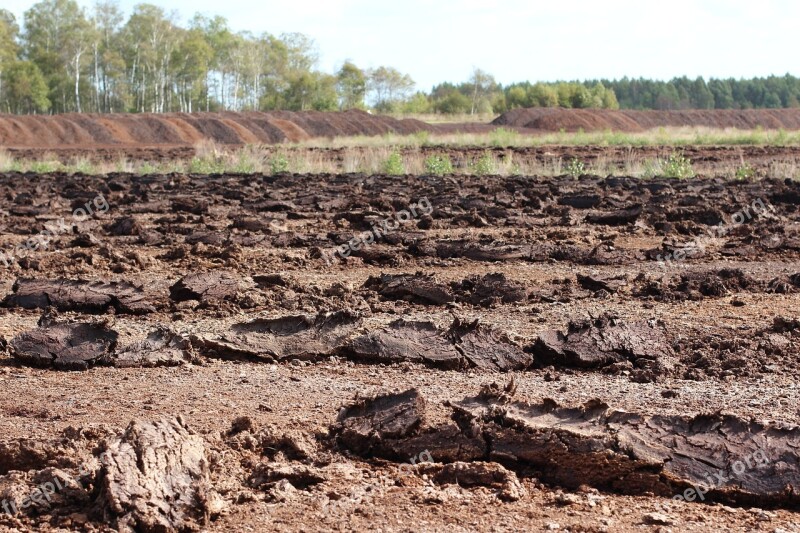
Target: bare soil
{"x": 175, "y": 130}
{"x": 191, "y": 356}
{"x": 557, "y": 119}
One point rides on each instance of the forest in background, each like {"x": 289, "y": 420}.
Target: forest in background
{"x": 61, "y": 58}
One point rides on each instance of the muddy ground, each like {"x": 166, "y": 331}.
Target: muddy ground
{"x": 480, "y": 354}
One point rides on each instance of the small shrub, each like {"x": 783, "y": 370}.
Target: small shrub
{"x": 438, "y": 165}
{"x": 83, "y": 165}
{"x": 678, "y": 166}
{"x": 422, "y": 138}
{"x": 484, "y": 166}
{"x": 6, "y": 161}
{"x": 123, "y": 165}
{"x": 652, "y": 168}
{"x": 575, "y": 168}
{"x": 278, "y": 164}
{"x": 44, "y": 167}
{"x": 745, "y": 172}
{"x": 502, "y": 137}
{"x": 393, "y": 166}
{"x": 201, "y": 165}
{"x": 148, "y": 168}
{"x": 248, "y": 160}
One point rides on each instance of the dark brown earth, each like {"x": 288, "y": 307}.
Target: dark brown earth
{"x": 187, "y": 129}
{"x": 558, "y": 119}
{"x": 516, "y": 358}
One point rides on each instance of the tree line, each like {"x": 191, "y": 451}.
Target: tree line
{"x": 63, "y": 58}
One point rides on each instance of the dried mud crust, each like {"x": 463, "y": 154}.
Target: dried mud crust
{"x": 210, "y": 298}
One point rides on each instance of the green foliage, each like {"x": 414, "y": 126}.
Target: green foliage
{"x": 351, "y": 83}
{"x": 24, "y": 88}
{"x": 651, "y": 168}
{"x": 453, "y": 103}
{"x": 422, "y": 137}
{"x": 745, "y": 172}
{"x": 206, "y": 165}
{"x": 502, "y": 138}
{"x": 148, "y": 168}
{"x": 83, "y": 165}
{"x": 98, "y": 61}
{"x": 389, "y": 87}
{"x": 417, "y": 104}
{"x": 44, "y": 166}
{"x": 278, "y": 164}
{"x": 678, "y": 166}
{"x": 484, "y": 166}
{"x": 393, "y": 166}
{"x": 575, "y": 168}
{"x": 8, "y": 38}
{"x": 438, "y": 165}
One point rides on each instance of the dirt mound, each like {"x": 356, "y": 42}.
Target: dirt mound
{"x": 157, "y": 478}
{"x": 86, "y": 296}
{"x": 606, "y": 341}
{"x": 717, "y": 457}
{"x": 184, "y": 129}
{"x": 64, "y": 346}
{"x": 292, "y": 337}
{"x": 463, "y": 345}
{"x": 557, "y": 119}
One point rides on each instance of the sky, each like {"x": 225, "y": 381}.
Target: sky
{"x": 519, "y": 40}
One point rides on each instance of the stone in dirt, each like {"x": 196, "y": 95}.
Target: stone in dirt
{"x": 29, "y": 454}
{"x": 487, "y": 348}
{"x": 413, "y": 341}
{"x": 490, "y": 289}
{"x": 366, "y": 425}
{"x": 615, "y": 218}
{"x": 79, "y": 295}
{"x": 727, "y": 458}
{"x": 715, "y": 282}
{"x": 605, "y": 341}
{"x": 599, "y": 282}
{"x": 720, "y": 458}
{"x": 291, "y": 444}
{"x": 35, "y": 493}
{"x": 480, "y": 251}
{"x": 476, "y": 474}
{"x": 162, "y": 347}
{"x": 463, "y": 345}
{"x": 416, "y": 288}
{"x": 267, "y": 475}
{"x": 65, "y": 346}
{"x": 124, "y": 226}
{"x": 276, "y": 339}
{"x": 156, "y": 478}
{"x": 446, "y": 443}
{"x": 213, "y": 286}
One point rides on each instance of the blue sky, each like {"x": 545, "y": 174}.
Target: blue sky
{"x": 518, "y": 40}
